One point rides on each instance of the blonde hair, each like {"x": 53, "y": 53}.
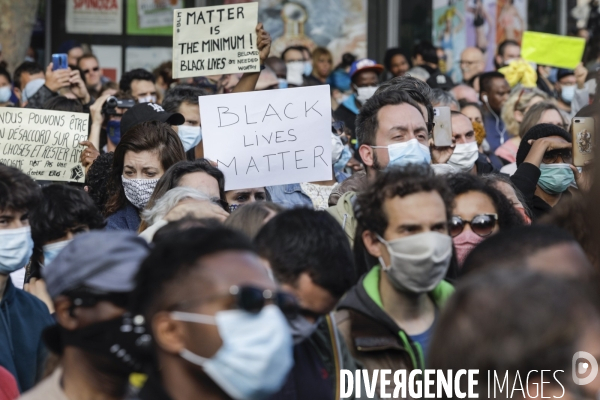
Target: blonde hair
{"x": 518, "y": 101}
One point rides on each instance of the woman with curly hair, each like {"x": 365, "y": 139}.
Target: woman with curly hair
{"x": 479, "y": 211}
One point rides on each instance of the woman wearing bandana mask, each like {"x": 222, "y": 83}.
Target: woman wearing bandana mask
{"x": 141, "y": 158}
{"x": 544, "y": 168}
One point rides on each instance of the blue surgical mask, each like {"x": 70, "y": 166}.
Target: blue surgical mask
{"x": 555, "y": 178}
{"x": 410, "y": 152}
{"x": 190, "y": 136}
{"x": 343, "y": 160}
{"x": 567, "y": 93}
{"x": 5, "y": 94}
{"x": 256, "y": 354}
{"x": 282, "y": 83}
{"x": 113, "y": 131}
{"x": 308, "y": 68}
{"x": 31, "y": 88}
{"x": 52, "y": 250}
{"x": 16, "y": 248}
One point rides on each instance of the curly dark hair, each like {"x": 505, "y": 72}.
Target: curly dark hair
{"x": 97, "y": 179}
{"x": 508, "y": 217}
{"x": 18, "y": 192}
{"x": 397, "y": 181}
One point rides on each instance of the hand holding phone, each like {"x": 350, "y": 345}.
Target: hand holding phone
{"x": 584, "y": 141}
{"x": 442, "y": 130}
{"x": 59, "y": 61}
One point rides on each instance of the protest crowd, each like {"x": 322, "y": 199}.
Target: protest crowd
{"x": 150, "y": 278}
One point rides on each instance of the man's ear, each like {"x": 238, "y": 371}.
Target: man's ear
{"x": 366, "y": 154}
{"x": 168, "y": 333}
{"x": 17, "y": 92}
{"x": 498, "y": 59}
{"x": 372, "y": 243}
{"x": 64, "y": 313}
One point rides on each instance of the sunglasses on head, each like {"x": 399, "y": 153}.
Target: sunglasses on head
{"x": 87, "y": 71}
{"x": 482, "y": 224}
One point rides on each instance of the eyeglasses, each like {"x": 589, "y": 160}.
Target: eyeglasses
{"x": 467, "y": 63}
{"x": 482, "y": 224}
{"x": 87, "y": 71}
{"x": 550, "y": 157}
{"x": 252, "y": 299}
{"x": 337, "y": 127}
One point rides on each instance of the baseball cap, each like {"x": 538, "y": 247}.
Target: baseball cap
{"x": 440, "y": 81}
{"x": 365, "y": 64}
{"x": 144, "y": 112}
{"x": 100, "y": 260}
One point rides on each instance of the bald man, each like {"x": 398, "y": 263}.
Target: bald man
{"x": 465, "y": 92}
{"x": 471, "y": 63}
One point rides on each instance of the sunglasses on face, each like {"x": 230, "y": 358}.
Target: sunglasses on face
{"x": 252, "y": 299}
{"x": 550, "y": 157}
{"x": 482, "y": 224}
{"x": 337, "y": 128}
{"x": 87, "y": 71}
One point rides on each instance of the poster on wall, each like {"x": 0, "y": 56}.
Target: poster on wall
{"x": 512, "y": 20}
{"x": 151, "y": 17}
{"x": 110, "y": 57}
{"x": 146, "y": 57}
{"x": 481, "y": 28}
{"x": 338, "y": 25}
{"x": 484, "y": 24}
{"x": 94, "y": 17}
{"x": 449, "y": 34}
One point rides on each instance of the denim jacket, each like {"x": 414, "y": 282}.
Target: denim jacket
{"x": 289, "y": 196}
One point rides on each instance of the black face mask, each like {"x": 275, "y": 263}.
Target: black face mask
{"x": 123, "y": 342}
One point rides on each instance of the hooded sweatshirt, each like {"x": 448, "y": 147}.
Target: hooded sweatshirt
{"x": 22, "y": 319}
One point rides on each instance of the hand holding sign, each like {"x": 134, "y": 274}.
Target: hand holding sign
{"x": 217, "y": 40}
{"x": 270, "y": 137}
{"x": 264, "y": 43}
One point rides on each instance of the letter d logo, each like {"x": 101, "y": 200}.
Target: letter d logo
{"x": 579, "y": 368}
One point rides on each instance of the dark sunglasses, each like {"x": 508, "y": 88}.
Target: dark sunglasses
{"x": 252, "y": 299}
{"x": 87, "y": 71}
{"x": 550, "y": 157}
{"x": 88, "y": 297}
{"x": 482, "y": 224}
{"x": 337, "y": 127}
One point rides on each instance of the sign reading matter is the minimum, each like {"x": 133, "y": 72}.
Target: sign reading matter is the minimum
{"x": 215, "y": 40}
{"x": 270, "y": 137}
{"x": 43, "y": 144}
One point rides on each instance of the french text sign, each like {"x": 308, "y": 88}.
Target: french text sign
{"x": 215, "y": 40}
{"x": 270, "y": 137}
{"x": 44, "y": 144}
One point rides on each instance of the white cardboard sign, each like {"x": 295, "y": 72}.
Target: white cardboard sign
{"x": 271, "y": 137}
{"x": 215, "y": 40}
{"x": 43, "y": 144}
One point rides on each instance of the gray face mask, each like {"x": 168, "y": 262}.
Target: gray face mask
{"x": 302, "y": 329}
{"x": 418, "y": 262}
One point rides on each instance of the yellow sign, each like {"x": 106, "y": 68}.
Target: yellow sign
{"x": 552, "y": 50}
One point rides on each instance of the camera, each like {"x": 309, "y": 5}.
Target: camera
{"x": 112, "y": 103}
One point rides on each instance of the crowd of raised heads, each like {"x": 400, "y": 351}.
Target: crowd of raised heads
{"x": 474, "y": 251}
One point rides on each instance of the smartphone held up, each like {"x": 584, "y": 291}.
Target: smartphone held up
{"x": 583, "y": 131}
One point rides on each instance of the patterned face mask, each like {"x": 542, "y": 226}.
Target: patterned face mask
{"x": 138, "y": 191}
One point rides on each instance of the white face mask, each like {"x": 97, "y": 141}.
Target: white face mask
{"x": 256, "y": 354}
{"x": 5, "y": 94}
{"x": 418, "y": 262}
{"x": 52, "y": 250}
{"x": 295, "y": 69}
{"x": 139, "y": 191}
{"x": 464, "y": 156}
{"x": 336, "y": 148}
{"x": 409, "y": 152}
{"x": 190, "y": 136}
{"x": 31, "y": 88}
{"x": 365, "y": 93}
{"x": 16, "y": 247}
{"x": 151, "y": 98}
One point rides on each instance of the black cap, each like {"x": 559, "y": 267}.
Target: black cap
{"x": 440, "y": 81}
{"x": 537, "y": 132}
{"x": 561, "y": 73}
{"x": 144, "y": 112}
